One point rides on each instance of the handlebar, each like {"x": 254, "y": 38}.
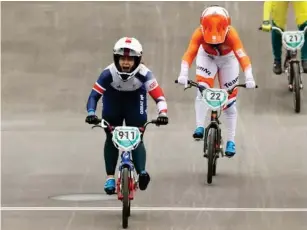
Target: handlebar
{"x": 111, "y": 128}
{"x": 201, "y": 87}
{"x": 280, "y": 30}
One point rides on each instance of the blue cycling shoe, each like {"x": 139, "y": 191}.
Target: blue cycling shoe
{"x": 199, "y": 133}
{"x": 109, "y": 186}
{"x": 230, "y": 149}
{"x": 144, "y": 180}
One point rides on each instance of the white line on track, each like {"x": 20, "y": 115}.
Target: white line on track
{"x": 175, "y": 209}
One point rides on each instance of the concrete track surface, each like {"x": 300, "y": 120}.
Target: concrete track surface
{"x": 52, "y": 53}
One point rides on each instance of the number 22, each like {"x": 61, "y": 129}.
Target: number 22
{"x": 216, "y": 95}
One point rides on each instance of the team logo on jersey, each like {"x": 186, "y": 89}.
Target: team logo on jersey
{"x": 228, "y": 84}
{"x": 240, "y": 53}
{"x": 153, "y": 85}
{"x": 204, "y": 70}
{"x": 142, "y": 104}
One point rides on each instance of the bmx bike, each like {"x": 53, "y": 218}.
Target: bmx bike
{"x": 126, "y": 139}
{"x": 292, "y": 42}
{"x": 215, "y": 99}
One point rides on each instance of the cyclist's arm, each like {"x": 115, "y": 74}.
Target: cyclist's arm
{"x": 191, "y": 51}
{"x": 267, "y": 8}
{"x": 157, "y": 94}
{"x": 239, "y": 51}
{"x": 154, "y": 89}
{"x": 97, "y": 91}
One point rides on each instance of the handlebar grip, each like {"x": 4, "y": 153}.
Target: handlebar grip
{"x": 241, "y": 85}
{"x": 244, "y": 85}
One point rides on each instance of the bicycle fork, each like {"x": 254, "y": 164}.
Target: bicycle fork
{"x": 126, "y": 163}
{"x": 291, "y": 58}
{"x": 214, "y": 124}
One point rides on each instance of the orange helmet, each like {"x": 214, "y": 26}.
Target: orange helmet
{"x": 215, "y": 22}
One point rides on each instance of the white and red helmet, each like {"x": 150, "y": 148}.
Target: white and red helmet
{"x": 127, "y": 46}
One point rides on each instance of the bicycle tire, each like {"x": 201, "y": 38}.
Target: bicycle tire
{"x": 126, "y": 201}
{"x": 129, "y": 209}
{"x": 129, "y": 203}
{"x": 296, "y": 81}
{"x": 217, "y": 151}
{"x": 214, "y": 167}
{"x": 211, "y": 153}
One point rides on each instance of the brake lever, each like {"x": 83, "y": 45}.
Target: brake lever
{"x": 190, "y": 86}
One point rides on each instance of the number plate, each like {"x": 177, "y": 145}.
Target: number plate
{"x": 126, "y": 138}
{"x": 215, "y": 98}
{"x": 293, "y": 39}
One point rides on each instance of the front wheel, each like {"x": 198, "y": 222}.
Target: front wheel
{"x": 214, "y": 168}
{"x": 211, "y": 154}
{"x": 126, "y": 201}
{"x": 296, "y": 79}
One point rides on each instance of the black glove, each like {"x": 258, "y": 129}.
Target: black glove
{"x": 162, "y": 119}
{"x": 92, "y": 119}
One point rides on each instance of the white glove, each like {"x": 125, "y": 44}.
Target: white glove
{"x": 184, "y": 73}
{"x": 183, "y": 80}
{"x": 249, "y": 79}
{"x": 250, "y": 83}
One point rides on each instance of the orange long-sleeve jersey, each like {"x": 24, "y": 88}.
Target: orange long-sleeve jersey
{"x": 232, "y": 43}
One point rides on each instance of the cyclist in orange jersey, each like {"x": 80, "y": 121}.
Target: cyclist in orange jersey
{"x": 219, "y": 51}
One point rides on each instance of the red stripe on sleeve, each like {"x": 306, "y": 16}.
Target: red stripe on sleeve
{"x": 156, "y": 93}
{"x": 98, "y": 89}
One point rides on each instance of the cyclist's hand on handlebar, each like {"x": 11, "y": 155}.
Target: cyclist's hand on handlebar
{"x": 250, "y": 84}
{"x": 162, "y": 119}
{"x": 92, "y": 119}
{"x": 183, "y": 80}
{"x": 266, "y": 26}
{"x": 249, "y": 79}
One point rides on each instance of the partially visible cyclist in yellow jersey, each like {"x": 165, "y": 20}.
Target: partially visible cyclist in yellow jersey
{"x": 278, "y": 11}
